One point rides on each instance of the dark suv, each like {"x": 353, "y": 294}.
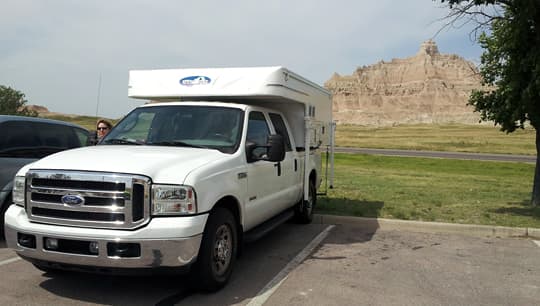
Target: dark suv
{"x": 26, "y": 139}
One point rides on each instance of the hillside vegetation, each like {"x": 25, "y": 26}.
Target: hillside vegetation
{"x": 88, "y": 122}
{"x": 430, "y": 137}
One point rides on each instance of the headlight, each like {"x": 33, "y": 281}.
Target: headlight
{"x": 173, "y": 200}
{"x": 18, "y": 190}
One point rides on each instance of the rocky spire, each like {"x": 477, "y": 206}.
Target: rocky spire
{"x": 428, "y": 47}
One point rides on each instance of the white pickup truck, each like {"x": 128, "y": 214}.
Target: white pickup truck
{"x": 218, "y": 157}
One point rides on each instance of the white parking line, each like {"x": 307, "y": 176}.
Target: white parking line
{"x": 272, "y": 286}
{"x": 537, "y": 242}
{"x": 8, "y": 261}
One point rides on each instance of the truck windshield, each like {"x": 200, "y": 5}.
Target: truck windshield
{"x": 194, "y": 126}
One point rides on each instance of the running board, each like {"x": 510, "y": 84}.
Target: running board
{"x": 267, "y": 226}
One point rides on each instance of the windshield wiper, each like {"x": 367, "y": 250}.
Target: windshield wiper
{"x": 176, "y": 143}
{"x": 122, "y": 141}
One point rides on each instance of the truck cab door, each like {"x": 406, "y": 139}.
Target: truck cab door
{"x": 290, "y": 167}
{"x": 265, "y": 195}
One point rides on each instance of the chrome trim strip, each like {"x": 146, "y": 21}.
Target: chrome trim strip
{"x": 81, "y": 223}
{"x": 85, "y": 192}
{"x": 83, "y": 208}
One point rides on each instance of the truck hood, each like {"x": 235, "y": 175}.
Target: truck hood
{"x": 162, "y": 164}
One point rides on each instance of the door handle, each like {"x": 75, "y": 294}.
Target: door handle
{"x": 278, "y": 165}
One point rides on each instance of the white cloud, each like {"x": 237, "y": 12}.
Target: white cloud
{"x": 54, "y": 51}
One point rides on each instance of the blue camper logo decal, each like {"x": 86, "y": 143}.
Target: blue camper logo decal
{"x": 195, "y": 80}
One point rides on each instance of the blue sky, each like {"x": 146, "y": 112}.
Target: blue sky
{"x": 55, "y": 51}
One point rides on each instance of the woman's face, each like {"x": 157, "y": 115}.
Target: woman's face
{"x": 102, "y": 130}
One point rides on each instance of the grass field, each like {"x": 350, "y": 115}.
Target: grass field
{"x": 456, "y": 191}
{"x": 451, "y": 138}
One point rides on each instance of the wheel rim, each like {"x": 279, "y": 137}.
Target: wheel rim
{"x": 222, "y": 249}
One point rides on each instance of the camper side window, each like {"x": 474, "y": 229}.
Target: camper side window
{"x": 258, "y": 132}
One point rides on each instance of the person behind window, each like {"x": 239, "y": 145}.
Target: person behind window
{"x": 103, "y": 127}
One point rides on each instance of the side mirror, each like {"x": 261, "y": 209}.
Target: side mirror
{"x": 276, "y": 148}
{"x": 250, "y": 147}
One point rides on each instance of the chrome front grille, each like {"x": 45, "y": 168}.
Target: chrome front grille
{"x": 102, "y": 200}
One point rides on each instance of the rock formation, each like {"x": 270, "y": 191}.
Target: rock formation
{"x": 44, "y": 112}
{"x": 427, "y": 88}
{"x": 37, "y": 108}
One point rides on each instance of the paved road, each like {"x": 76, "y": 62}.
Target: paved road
{"x": 352, "y": 266}
{"x": 438, "y": 154}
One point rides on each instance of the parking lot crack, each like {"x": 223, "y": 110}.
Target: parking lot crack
{"x": 328, "y": 258}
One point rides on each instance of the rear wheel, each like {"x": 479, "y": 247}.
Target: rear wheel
{"x": 304, "y": 209}
{"x": 218, "y": 250}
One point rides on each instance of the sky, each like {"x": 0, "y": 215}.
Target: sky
{"x": 73, "y": 57}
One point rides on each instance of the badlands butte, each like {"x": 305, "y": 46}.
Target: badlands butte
{"x": 429, "y": 87}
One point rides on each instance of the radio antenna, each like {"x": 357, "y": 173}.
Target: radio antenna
{"x": 98, "y": 94}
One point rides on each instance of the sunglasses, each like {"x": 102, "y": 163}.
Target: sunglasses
{"x": 102, "y": 128}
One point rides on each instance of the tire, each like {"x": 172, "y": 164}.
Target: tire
{"x": 304, "y": 209}
{"x": 217, "y": 254}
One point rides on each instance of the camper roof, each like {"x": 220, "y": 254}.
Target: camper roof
{"x": 252, "y": 85}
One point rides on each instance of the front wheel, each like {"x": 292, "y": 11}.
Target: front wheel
{"x": 304, "y": 209}
{"x": 218, "y": 250}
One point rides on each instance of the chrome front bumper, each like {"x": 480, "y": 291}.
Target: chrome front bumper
{"x": 159, "y": 252}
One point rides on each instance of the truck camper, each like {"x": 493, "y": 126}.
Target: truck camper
{"x": 216, "y": 157}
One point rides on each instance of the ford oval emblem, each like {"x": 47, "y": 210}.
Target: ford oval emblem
{"x": 72, "y": 199}
{"x": 195, "y": 80}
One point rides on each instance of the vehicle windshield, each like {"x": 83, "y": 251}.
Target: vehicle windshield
{"x": 207, "y": 127}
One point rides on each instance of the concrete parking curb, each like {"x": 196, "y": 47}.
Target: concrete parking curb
{"x": 533, "y": 232}
{"x": 430, "y": 227}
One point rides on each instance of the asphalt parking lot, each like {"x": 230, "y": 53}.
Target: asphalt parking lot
{"x": 352, "y": 265}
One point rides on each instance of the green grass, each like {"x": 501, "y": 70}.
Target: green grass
{"x": 450, "y": 137}
{"x": 455, "y": 191}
